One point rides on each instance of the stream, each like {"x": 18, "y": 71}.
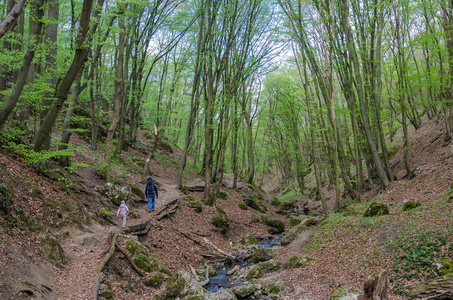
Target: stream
{"x": 222, "y": 280}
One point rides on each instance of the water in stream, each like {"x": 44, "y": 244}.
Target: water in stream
{"x": 221, "y": 280}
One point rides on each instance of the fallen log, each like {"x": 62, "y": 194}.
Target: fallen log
{"x": 195, "y": 188}
{"x": 167, "y": 205}
{"x": 217, "y": 249}
{"x": 436, "y": 288}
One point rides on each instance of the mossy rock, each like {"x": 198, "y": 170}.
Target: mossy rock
{"x": 275, "y": 202}
{"x": 194, "y": 203}
{"x": 138, "y": 192}
{"x": 202, "y": 271}
{"x": 221, "y": 221}
{"x": 255, "y": 219}
{"x": 155, "y": 281}
{"x": 297, "y": 261}
{"x": 208, "y": 201}
{"x": 249, "y": 239}
{"x": 134, "y": 214}
{"x": 445, "y": 266}
{"x": 275, "y": 225}
{"x": 182, "y": 285}
{"x": 292, "y": 234}
{"x": 262, "y": 268}
{"x": 222, "y": 195}
{"x": 143, "y": 259}
{"x": 273, "y": 287}
{"x": 115, "y": 193}
{"x": 223, "y": 294}
{"x": 345, "y": 293}
{"x": 286, "y": 206}
{"x": 242, "y": 205}
{"x": 411, "y": 205}
{"x": 243, "y": 291}
{"x": 262, "y": 254}
{"x": 135, "y": 247}
{"x": 107, "y": 294}
{"x": 376, "y": 209}
{"x": 54, "y": 252}
{"x": 294, "y": 221}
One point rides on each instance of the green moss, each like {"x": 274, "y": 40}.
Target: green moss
{"x": 155, "y": 281}
{"x": 194, "y": 203}
{"x": 285, "y": 206}
{"x": 445, "y": 266}
{"x": 222, "y": 195}
{"x": 108, "y": 294}
{"x": 249, "y": 239}
{"x": 275, "y": 225}
{"x": 411, "y": 205}
{"x": 221, "y": 221}
{"x": 242, "y": 205}
{"x": 294, "y": 221}
{"x": 262, "y": 268}
{"x": 297, "y": 261}
{"x": 208, "y": 201}
{"x": 137, "y": 191}
{"x": 255, "y": 219}
{"x": 344, "y": 293}
{"x": 376, "y": 209}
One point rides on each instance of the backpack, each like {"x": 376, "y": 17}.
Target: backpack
{"x": 150, "y": 187}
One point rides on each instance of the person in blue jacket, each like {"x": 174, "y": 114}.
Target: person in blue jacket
{"x": 151, "y": 193}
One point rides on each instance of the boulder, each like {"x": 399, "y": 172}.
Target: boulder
{"x": 345, "y": 293}
{"x": 143, "y": 259}
{"x": 272, "y": 287}
{"x": 155, "y": 281}
{"x": 297, "y": 261}
{"x": 376, "y": 209}
{"x": 115, "y": 193}
{"x": 53, "y": 250}
{"x": 262, "y": 268}
{"x": 223, "y": 294}
{"x": 411, "y": 205}
{"x": 249, "y": 240}
{"x": 182, "y": 285}
{"x": 243, "y": 291}
{"x": 275, "y": 225}
{"x": 262, "y": 254}
{"x": 221, "y": 221}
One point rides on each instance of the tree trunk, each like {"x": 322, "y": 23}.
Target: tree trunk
{"x": 14, "y": 13}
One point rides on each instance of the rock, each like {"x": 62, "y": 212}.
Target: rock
{"x": 436, "y": 288}
{"x": 273, "y": 287}
{"x": 445, "y": 266}
{"x": 249, "y": 240}
{"x": 202, "y": 271}
{"x": 255, "y": 204}
{"x": 292, "y": 234}
{"x": 108, "y": 294}
{"x": 155, "y": 281}
{"x": 297, "y": 261}
{"x": 138, "y": 192}
{"x": 115, "y": 193}
{"x": 261, "y": 268}
{"x": 182, "y": 285}
{"x": 345, "y": 293}
{"x": 262, "y": 254}
{"x": 221, "y": 221}
{"x": 275, "y": 225}
{"x": 54, "y": 251}
{"x": 223, "y": 294}
{"x": 376, "y": 209}
{"x": 411, "y": 205}
{"x": 286, "y": 206}
{"x": 243, "y": 291}
{"x": 90, "y": 241}
{"x": 143, "y": 259}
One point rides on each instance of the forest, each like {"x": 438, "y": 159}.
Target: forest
{"x": 294, "y": 96}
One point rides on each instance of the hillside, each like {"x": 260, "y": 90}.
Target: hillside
{"x": 43, "y": 209}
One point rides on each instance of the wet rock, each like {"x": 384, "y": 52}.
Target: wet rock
{"x": 243, "y": 291}
{"x": 345, "y": 293}
{"x": 262, "y": 254}
{"x": 202, "y": 271}
{"x": 262, "y": 268}
{"x": 297, "y": 261}
{"x": 116, "y": 194}
{"x": 183, "y": 285}
{"x": 54, "y": 251}
{"x": 249, "y": 240}
{"x": 376, "y": 209}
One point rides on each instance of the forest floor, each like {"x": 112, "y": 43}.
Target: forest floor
{"x": 346, "y": 249}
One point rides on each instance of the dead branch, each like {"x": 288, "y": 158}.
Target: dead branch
{"x": 234, "y": 270}
{"x": 167, "y": 205}
{"x": 167, "y": 214}
{"x": 190, "y": 238}
{"x": 131, "y": 262}
{"x": 196, "y": 188}
{"x": 217, "y": 249}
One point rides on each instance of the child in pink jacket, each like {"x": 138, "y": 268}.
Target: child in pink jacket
{"x": 122, "y": 211}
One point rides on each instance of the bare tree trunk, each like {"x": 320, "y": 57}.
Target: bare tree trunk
{"x": 6, "y": 46}
{"x": 21, "y": 80}
{"x": 14, "y": 13}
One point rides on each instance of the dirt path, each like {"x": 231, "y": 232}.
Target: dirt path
{"x": 80, "y": 276}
